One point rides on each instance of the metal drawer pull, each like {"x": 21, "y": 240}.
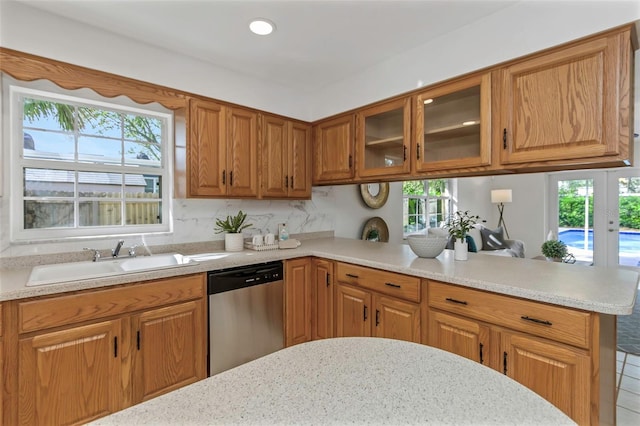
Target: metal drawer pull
{"x": 481, "y": 354}
{"x": 460, "y": 302}
{"x": 352, "y": 276}
{"x": 537, "y": 321}
{"x": 393, "y": 285}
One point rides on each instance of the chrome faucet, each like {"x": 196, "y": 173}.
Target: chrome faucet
{"x": 116, "y": 251}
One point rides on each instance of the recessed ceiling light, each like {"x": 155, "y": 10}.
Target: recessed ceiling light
{"x": 468, "y": 123}
{"x": 261, "y": 26}
{"x": 428, "y": 101}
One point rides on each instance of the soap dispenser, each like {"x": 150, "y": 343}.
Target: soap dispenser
{"x": 284, "y": 235}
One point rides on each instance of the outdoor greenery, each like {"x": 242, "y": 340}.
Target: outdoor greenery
{"x": 144, "y": 130}
{"x": 416, "y": 205}
{"x": 571, "y": 211}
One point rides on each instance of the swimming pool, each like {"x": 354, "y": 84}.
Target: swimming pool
{"x": 629, "y": 241}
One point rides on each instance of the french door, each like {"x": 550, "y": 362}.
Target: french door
{"x": 597, "y": 214}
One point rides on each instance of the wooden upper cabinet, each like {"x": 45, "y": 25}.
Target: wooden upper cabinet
{"x": 333, "y": 150}
{"x": 222, "y": 150}
{"x": 383, "y": 138}
{"x": 453, "y": 125}
{"x": 206, "y": 149}
{"x": 569, "y": 104}
{"x": 242, "y": 158}
{"x": 286, "y": 158}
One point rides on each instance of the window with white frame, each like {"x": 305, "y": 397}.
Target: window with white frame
{"x": 426, "y": 204}
{"x": 86, "y": 167}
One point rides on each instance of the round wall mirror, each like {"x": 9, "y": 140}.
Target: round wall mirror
{"x": 375, "y": 195}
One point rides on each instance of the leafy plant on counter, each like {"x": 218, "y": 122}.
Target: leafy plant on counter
{"x": 233, "y": 224}
{"x": 554, "y": 249}
{"x": 460, "y": 223}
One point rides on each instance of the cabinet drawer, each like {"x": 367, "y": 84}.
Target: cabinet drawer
{"x": 41, "y": 314}
{"x": 553, "y": 322}
{"x": 392, "y": 284}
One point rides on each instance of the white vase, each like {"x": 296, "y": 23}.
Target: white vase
{"x": 460, "y": 250}
{"x": 233, "y": 242}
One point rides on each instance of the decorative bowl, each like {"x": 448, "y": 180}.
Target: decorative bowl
{"x": 427, "y": 246}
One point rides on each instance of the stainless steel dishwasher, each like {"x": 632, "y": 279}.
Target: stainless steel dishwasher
{"x": 246, "y": 316}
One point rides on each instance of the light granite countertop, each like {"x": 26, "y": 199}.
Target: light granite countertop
{"x": 355, "y": 380}
{"x": 591, "y": 288}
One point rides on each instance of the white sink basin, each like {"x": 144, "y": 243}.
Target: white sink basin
{"x": 201, "y": 257}
{"x": 73, "y": 271}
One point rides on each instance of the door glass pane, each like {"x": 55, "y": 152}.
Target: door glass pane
{"x": 629, "y": 230}
{"x": 575, "y": 217}
{"x": 452, "y": 126}
{"x": 384, "y": 140}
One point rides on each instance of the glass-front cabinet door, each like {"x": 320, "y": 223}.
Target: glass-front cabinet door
{"x": 383, "y": 138}
{"x": 453, "y": 125}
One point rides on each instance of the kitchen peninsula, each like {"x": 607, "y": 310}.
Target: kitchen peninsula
{"x": 349, "y": 380}
{"x": 557, "y": 320}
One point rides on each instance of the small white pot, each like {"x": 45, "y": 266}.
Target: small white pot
{"x": 233, "y": 242}
{"x": 460, "y": 250}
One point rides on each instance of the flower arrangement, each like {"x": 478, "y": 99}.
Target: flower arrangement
{"x": 460, "y": 223}
{"x": 554, "y": 249}
{"x": 233, "y": 224}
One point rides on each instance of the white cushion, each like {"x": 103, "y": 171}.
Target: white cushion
{"x": 474, "y": 233}
{"x": 438, "y": 232}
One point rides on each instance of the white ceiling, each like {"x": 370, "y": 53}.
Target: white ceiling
{"x": 316, "y": 43}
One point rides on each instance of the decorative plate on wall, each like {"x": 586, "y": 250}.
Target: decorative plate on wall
{"x": 375, "y": 229}
{"x": 375, "y": 194}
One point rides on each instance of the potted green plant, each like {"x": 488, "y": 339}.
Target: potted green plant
{"x": 554, "y": 250}
{"x": 233, "y": 227}
{"x": 458, "y": 226}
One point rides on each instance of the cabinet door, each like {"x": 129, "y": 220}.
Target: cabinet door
{"x": 274, "y": 136}
{"x": 453, "y": 125}
{"x": 563, "y": 105}
{"x": 242, "y": 160}
{"x": 206, "y": 149}
{"x": 299, "y": 161}
{"x": 461, "y": 336}
{"x": 71, "y": 376}
{"x": 383, "y": 139}
{"x": 169, "y": 350}
{"x": 353, "y": 316}
{"x": 395, "y": 319}
{"x": 297, "y": 296}
{"x": 333, "y": 150}
{"x": 322, "y": 306}
{"x": 558, "y": 373}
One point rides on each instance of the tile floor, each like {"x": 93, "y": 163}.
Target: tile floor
{"x": 628, "y": 398}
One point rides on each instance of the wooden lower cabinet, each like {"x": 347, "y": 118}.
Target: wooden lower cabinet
{"x": 462, "y": 336}
{"x": 322, "y": 276}
{"x": 558, "y": 373}
{"x": 169, "y": 349}
{"x": 365, "y": 313}
{"x": 71, "y": 376}
{"x": 117, "y": 355}
{"x": 297, "y": 301}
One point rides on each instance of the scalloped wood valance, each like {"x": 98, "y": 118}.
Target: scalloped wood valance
{"x": 27, "y": 67}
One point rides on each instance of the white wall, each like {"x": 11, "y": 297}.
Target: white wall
{"x": 525, "y": 27}
{"x": 34, "y": 31}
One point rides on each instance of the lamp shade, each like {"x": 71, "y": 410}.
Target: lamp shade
{"x": 500, "y": 195}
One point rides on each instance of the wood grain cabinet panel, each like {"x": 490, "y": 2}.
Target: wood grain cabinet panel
{"x": 558, "y": 373}
{"x": 221, "y": 150}
{"x": 322, "y": 298}
{"x": 151, "y": 339}
{"x": 396, "y": 319}
{"x": 71, "y": 376}
{"x": 568, "y": 104}
{"x": 285, "y": 147}
{"x": 389, "y": 283}
{"x": 333, "y": 144}
{"x": 353, "y": 311}
{"x": 169, "y": 349}
{"x": 297, "y": 301}
{"x": 461, "y": 336}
